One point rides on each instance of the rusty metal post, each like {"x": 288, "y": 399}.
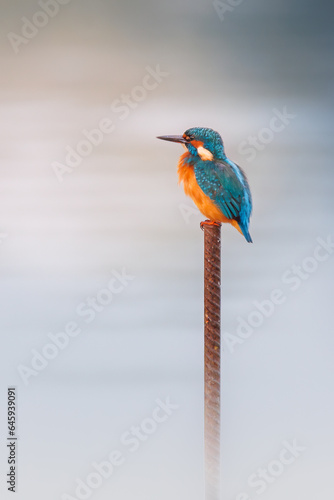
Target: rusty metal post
{"x": 212, "y": 271}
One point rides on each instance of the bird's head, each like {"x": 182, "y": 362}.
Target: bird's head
{"x": 203, "y": 143}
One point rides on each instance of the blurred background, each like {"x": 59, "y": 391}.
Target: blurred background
{"x": 75, "y": 213}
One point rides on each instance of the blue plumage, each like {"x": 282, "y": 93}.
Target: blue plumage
{"x": 223, "y": 184}
{"x": 221, "y": 179}
{"x": 226, "y": 185}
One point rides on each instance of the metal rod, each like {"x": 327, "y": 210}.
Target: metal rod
{"x": 212, "y": 271}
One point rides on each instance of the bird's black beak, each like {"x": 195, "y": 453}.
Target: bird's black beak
{"x": 173, "y": 138}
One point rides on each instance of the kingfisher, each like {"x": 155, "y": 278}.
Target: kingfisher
{"x": 217, "y": 185}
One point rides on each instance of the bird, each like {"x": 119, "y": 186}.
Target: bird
{"x": 217, "y": 185}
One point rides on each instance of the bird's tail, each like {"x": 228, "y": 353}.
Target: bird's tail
{"x": 246, "y": 234}
{"x": 243, "y": 230}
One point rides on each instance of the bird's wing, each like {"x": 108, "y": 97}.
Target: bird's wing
{"x": 219, "y": 181}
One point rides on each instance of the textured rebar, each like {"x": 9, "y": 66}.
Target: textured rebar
{"x": 212, "y": 249}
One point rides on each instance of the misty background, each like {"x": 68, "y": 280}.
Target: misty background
{"x": 119, "y": 209}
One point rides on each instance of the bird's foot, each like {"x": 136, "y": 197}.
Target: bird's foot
{"x": 209, "y": 223}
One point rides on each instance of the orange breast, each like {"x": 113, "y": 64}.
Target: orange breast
{"x": 203, "y": 202}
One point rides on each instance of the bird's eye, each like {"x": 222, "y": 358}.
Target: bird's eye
{"x": 189, "y": 138}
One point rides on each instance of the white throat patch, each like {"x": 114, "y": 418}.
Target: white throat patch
{"x": 204, "y": 154}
